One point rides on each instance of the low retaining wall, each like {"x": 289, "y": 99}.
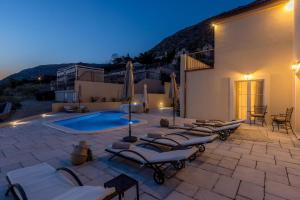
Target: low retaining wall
{"x": 58, "y": 107}
{"x": 155, "y": 100}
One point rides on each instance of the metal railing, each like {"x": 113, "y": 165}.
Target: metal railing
{"x": 200, "y": 60}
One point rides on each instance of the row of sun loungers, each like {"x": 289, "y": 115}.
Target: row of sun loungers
{"x": 223, "y": 129}
{"x": 44, "y": 182}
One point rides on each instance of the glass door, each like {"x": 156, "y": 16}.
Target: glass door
{"x": 249, "y": 97}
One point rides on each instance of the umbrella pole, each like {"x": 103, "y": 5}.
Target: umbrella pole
{"x": 173, "y": 111}
{"x": 129, "y": 118}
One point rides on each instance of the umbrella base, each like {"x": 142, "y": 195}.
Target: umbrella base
{"x": 130, "y": 139}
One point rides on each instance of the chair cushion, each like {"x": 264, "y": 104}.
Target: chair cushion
{"x": 257, "y": 115}
{"x": 279, "y": 119}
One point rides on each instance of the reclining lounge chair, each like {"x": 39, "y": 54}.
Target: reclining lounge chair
{"x": 179, "y": 141}
{"x": 223, "y": 131}
{"x": 155, "y": 160}
{"x": 217, "y": 123}
{"x": 43, "y": 182}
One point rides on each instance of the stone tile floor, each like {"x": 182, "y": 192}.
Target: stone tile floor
{"x": 235, "y": 169}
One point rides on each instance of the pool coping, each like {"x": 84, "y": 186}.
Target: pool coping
{"x": 50, "y": 123}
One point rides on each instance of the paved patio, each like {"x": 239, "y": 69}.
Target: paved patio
{"x": 241, "y": 168}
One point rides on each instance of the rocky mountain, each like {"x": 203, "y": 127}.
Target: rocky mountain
{"x": 193, "y": 38}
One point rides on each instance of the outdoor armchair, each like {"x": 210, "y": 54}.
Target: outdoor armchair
{"x": 259, "y": 113}
{"x": 283, "y": 120}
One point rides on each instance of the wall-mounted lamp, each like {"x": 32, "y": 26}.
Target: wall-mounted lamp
{"x": 296, "y": 67}
{"x": 214, "y": 25}
{"x": 289, "y": 6}
{"x": 247, "y": 77}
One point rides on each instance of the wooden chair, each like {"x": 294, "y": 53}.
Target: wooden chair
{"x": 283, "y": 120}
{"x": 258, "y": 113}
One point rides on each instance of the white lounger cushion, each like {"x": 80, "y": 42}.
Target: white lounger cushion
{"x": 220, "y": 123}
{"x": 41, "y": 182}
{"x": 216, "y": 129}
{"x": 182, "y": 141}
{"x": 156, "y": 157}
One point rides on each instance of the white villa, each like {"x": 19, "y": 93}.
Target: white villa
{"x": 256, "y": 63}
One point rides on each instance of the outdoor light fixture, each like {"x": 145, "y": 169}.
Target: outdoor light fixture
{"x": 16, "y": 123}
{"x": 161, "y": 104}
{"x": 247, "y": 77}
{"x": 289, "y": 6}
{"x": 134, "y": 103}
{"x": 296, "y": 67}
{"x": 214, "y": 25}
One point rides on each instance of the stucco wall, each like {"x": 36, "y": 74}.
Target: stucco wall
{"x": 259, "y": 43}
{"x": 58, "y": 107}
{"x": 155, "y": 100}
{"x": 297, "y": 58}
{"x": 98, "y": 89}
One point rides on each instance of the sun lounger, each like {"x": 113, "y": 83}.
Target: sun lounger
{"x": 73, "y": 109}
{"x": 155, "y": 160}
{"x": 180, "y": 141}
{"x": 5, "y": 110}
{"x": 223, "y": 131}
{"x": 43, "y": 182}
{"x": 217, "y": 123}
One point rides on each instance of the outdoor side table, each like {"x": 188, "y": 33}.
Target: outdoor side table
{"x": 122, "y": 183}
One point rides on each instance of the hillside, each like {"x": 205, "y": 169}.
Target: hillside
{"x": 43, "y": 70}
{"x": 193, "y": 38}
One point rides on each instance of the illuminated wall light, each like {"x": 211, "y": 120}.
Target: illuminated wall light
{"x": 215, "y": 26}
{"x": 296, "y": 67}
{"x": 134, "y": 103}
{"x": 16, "y": 123}
{"x": 247, "y": 77}
{"x": 161, "y": 104}
{"x": 289, "y": 6}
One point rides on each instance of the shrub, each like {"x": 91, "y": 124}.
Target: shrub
{"x": 103, "y": 99}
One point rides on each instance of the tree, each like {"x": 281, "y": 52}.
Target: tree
{"x": 146, "y": 58}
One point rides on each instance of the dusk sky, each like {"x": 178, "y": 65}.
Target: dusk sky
{"x": 35, "y": 32}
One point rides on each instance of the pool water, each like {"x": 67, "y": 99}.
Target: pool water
{"x": 96, "y": 121}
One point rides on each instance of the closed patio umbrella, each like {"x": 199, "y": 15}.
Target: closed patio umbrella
{"x": 128, "y": 95}
{"x": 145, "y": 98}
{"x": 79, "y": 95}
{"x": 173, "y": 94}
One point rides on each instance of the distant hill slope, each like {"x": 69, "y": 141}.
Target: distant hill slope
{"x": 43, "y": 70}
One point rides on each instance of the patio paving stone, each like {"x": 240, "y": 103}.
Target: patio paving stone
{"x": 250, "y": 175}
{"x": 251, "y": 191}
{"x": 282, "y": 190}
{"x": 227, "y": 186}
{"x": 187, "y": 189}
{"x": 204, "y": 194}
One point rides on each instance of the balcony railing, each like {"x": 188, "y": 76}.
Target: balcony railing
{"x": 200, "y": 60}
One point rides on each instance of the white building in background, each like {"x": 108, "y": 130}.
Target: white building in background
{"x": 66, "y": 90}
{"x": 255, "y": 63}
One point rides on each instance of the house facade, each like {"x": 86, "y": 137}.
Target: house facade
{"x": 256, "y": 56}
{"x": 66, "y": 89}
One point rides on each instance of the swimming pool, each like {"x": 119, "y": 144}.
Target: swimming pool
{"x": 94, "y": 122}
